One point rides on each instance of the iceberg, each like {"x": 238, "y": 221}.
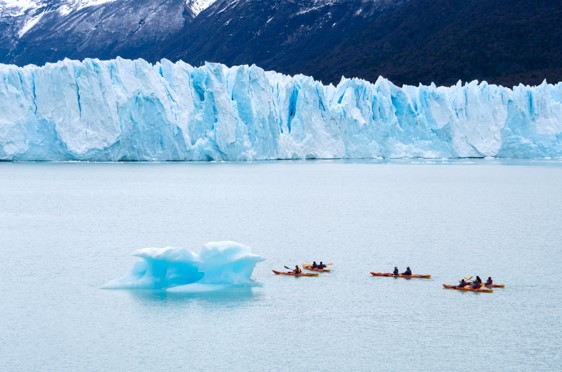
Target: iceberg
{"x": 218, "y": 265}
{"x": 131, "y": 110}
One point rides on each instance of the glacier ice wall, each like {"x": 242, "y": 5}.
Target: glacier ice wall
{"x": 217, "y": 264}
{"x": 123, "y": 110}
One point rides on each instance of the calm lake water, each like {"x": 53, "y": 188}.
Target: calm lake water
{"x": 66, "y": 229}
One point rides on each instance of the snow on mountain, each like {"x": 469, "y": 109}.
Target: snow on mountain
{"x": 16, "y": 8}
{"x": 27, "y": 13}
{"x": 31, "y": 11}
{"x": 69, "y": 6}
{"x": 28, "y": 25}
{"x": 132, "y": 110}
{"x": 197, "y": 6}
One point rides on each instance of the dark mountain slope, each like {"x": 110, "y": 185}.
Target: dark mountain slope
{"x": 504, "y": 42}
{"x": 277, "y": 34}
{"x": 126, "y": 28}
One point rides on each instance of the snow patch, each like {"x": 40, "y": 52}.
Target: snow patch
{"x": 76, "y": 5}
{"x": 16, "y": 8}
{"x": 30, "y": 24}
{"x": 197, "y": 6}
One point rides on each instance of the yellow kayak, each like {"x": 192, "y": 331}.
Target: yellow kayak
{"x": 467, "y": 288}
{"x": 293, "y": 274}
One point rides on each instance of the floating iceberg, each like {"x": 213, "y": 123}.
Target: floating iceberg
{"x": 131, "y": 110}
{"x": 222, "y": 264}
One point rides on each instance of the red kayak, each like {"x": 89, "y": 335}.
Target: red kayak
{"x": 293, "y": 274}
{"x": 417, "y": 276}
{"x": 467, "y": 288}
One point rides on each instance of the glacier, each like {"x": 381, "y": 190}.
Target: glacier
{"x": 218, "y": 265}
{"x": 131, "y": 110}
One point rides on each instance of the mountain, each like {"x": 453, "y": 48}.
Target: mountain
{"x": 282, "y": 35}
{"x": 408, "y": 41}
{"x": 54, "y": 30}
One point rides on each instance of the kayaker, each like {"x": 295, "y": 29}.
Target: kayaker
{"x": 321, "y": 266}
{"x": 314, "y": 265}
{"x": 462, "y": 283}
{"x": 395, "y": 272}
{"x": 477, "y": 284}
{"x": 408, "y": 271}
{"x": 489, "y": 281}
{"x": 478, "y": 280}
{"x": 297, "y": 270}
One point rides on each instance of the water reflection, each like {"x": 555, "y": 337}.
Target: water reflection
{"x": 225, "y": 297}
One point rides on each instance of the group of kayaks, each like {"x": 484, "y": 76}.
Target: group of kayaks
{"x": 467, "y": 286}
{"x": 484, "y": 288}
{"x": 297, "y": 272}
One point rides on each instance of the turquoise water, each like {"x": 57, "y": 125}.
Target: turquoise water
{"x": 66, "y": 229}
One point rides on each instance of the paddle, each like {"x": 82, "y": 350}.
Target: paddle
{"x": 291, "y": 270}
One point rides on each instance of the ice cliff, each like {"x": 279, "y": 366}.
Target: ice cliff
{"x": 132, "y": 110}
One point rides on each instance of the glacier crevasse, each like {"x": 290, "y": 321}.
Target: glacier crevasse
{"x": 131, "y": 110}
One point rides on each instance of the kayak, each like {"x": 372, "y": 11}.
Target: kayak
{"x": 485, "y": 290}
{"x": 495, "y": 285}
{"x": 416, "y": 276}
{"x": 490, "y": 286}
{"x": 293, "y": 274}
{"x": 309, "y": 267}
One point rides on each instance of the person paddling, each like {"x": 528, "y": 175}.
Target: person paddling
{"x": 297, "y": 270}
{"x": 321, "y": 266}
{"x": 462, "y": 283}
{"x": 489, "y": 281}
{"x": 408, "y": 271}
{"x": 477, "y": 284}
{"x": 395, "y": 272}
{"x": 314, "y": 265}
